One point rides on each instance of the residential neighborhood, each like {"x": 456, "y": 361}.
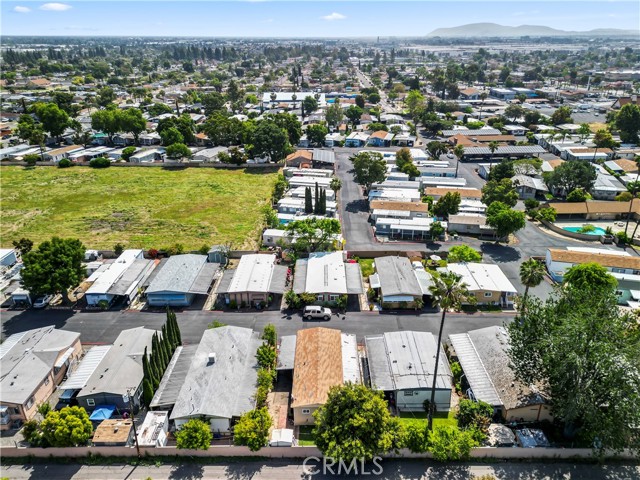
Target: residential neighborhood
{"x": 423, "y": 248}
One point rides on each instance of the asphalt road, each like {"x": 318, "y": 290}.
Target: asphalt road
{"x": 104, "y": 327}
{"x": 286, "y": 470}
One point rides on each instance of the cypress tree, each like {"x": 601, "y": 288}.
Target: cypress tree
{"x": 147, "y": 392}
{"x": 146, "y": 367}
{"x": 166, "y": 342}
{"x": 323, "y": 202}
{"x": 308, "y": 206}
{"x": 157, "y": 374}
{"x": 174, "y": 330}
{"x": 316, "y": 206}
{"x": 155, "y": 352}
{"x": 177, "y": 330}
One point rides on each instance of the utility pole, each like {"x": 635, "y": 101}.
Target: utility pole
{"x": 133, "y": 420}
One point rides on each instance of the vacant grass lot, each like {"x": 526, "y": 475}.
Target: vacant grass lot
{"x": 139, "y": 207}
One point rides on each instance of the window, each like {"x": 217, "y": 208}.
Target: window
{"x": 46, "y": 380}
{"x": 488, "y": 294}
{"x": 333, "y": 298}
{"x": 29, "y": 403}
{"x": 408, "y": 393}
{"x": 320, "y": 297}
{"x": 91, "y": 402}
{"x": 617, "y": 270}
{"x": 306, "y": 411}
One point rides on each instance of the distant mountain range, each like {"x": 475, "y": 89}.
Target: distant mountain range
{"x": 495, "y": 30}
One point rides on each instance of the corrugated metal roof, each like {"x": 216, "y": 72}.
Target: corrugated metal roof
{"x": 178, "y": 274}
{"x": 350, "y": 359}
{"x": 79, "y": 378}
{"x": 405, "y": 360}
{"x": 505, "y": 150}
{"x": 205, "y": 277}
{"x": 324, "y": 156}
{"x": 480, "y": 132}
{"x": 482, "y": 276}
{"x": 173, "y": 377}
{"x": 397, "y": 277}
{"x": 253, "y": 273}
{"x": 354, "y": 278}
{"x": 133, "y": 275}
{"x": 287, "y": 353}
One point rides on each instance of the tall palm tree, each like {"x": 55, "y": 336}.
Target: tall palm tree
{"x": 458, "y": 151}
{"x": 448, "y": 291}
{"x": 483, "y": 97}
{"x": 493, "y": 146}
{"x": 531, "y": 275}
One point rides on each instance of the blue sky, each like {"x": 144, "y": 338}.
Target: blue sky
{"x": 257, "y": 18}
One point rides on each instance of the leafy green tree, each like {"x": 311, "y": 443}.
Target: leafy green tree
{"x": 414, "y": 102}
{"x": 448, "y": 292}
{"x": 587, "y": 276}
{"x": 474, "y": 414}
{"x": 377, "y": 127}
{"x": 105, "y": 97}
{"x": 31, "y": 159}
{"x": 266, "y": 355}
{"x": 24, "y": 245}
{"x": 170, "y": 136}
{"x": 54, "y": 120}
{"x": 279, "y": 188}
{"x": 404, "y": 162}
{"x": 194, "y": 435}
{"x": 212, "y": 102}
{"x": 252, "y": 429}
{"x": 127, "y": 152}
{"x": 177, "y": 151}
{"x": 147, "y": 392}
{"x": 106, "y": 121}
{"x": 158, "y": 109}
{"x": 69, "y": 427}
{"x": 313, "y": 234}
{"x": 463, "y": 253}
{"x": 502, "y": 170}
{"x": 316, "y": 134}
{"x": 100, "y": 162}
{"x": 561, "y": 115}
{"x": 54, "y": 267}
{"x": 436, "y": 149}
{"x": 310, "y": 104}
{"x": 499, "y": 191}
{"x": 269, "y": 334}
{"x": 628, "y": 122}
{"x": 448, "y": 443}
{"x": 514, "y": 111}
{"x": 584, "y": 354}
{"x": 64, "y": 101}
{"x": 577, "y": 195}
{"x": 334, "y": 114}
{"x": 448, "y": 204}
{"x": 532, "y": 274}
{"x": 271, "y": 141}
{"x": 353, "y": 113}
{"x": 369, "y": 168}
{"x": 355, "y": 423}
{"x": 504, "y": 220}
{"x": 569, "y": 176}
{"x": 436, "y": 230}
{"x": 132, "y": 121}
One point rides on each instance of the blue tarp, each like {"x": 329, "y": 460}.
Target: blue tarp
{"x": 102, "y": 412}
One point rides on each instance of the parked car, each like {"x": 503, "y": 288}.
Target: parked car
{"x": 314, "y": 311}
{"x": 42, "y": 302}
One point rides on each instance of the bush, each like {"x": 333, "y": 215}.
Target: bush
{"x": 252, "y": 429}
{"x": 261, "y": 396}
{"x": 265, "y": 378}
{"x": 624, "y": 197}
{"x": 292, "y": 299}
{"x": 233, "y": 304}
{"x": 31, "y": 159}
{"x": 530, "y": 204}
{"x": 623, "y": 237}
{"x": 100, "y": 162}
{"x": 456, "y": 371}
{"x": 266, "y": 356}
{"x": 118, "y": 248}
{"x": 307, "y": 299}
{"x": 547, "y": 213}
{"x": 269, "y": 334}
{"x": 473, "y": 414}
{"x": 448, "y": 443}
{"x": 577, "y": 195}
{"x": 194, "y": 435}
{"x": 152, "y": 253}
{"x": 127, "y": 152}
{"x": 64, "y": 163}
{"x": 463, "y": 253}
{"x": 416, "y": 438}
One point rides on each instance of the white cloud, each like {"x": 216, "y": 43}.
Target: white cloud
{"x": 55, "y": 7}
{"x": 20, "y": 9}
{"x": 334, "y": 16}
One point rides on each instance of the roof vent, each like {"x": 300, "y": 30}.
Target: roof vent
{"x": 212, "y": 357}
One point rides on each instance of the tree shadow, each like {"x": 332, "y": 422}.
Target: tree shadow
{"x": 187, "y": 472}
{"x": 588, "y": 470}
{"x": 30, "y": 319}
{"x": 357, "y": 206}
{"x": 243, "y": 471}
{"x": 500, "y": 253}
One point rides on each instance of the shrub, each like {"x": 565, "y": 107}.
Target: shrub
{"x": 371, "y": 293}
{"x": 64, "y": 163}
{"x": 307, "y": 299}
{"x": 152, "y": 253}
{"x": 233, "y": 304}
{"x": 194, "y": 435}
{"x": 623, "y": 237}
{"x": 118, "y": 248}
{"x": 292, "y": 299}
{"x": 463, "y": 253}
{"x": 473, "y": 414}
{"x": 456, "y": 370}
{"x": 577, "y": 195}
{"x": 252, "y": 429}
{"x": 587, "y": 228}
{"x": 547, "y": 213}
{"x": 203, "y": 250}
{"x": 624, "y": 197}
{"x": 530, "y": 204}
{"x": 216, "y": 324}
{"x": 265, "y": 378}
{"x": 261, "y": 396}
{"x": 100, "y": 162}
{"x": 416, "y": 438}
{"x": 269, "y": 334}
{"x": 448, "y": 443}
{"x": 31, "y": 159}
{"x": 103, "y": 305}
{"x": 266, "y": 356}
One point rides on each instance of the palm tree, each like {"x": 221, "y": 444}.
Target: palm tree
{"x": 531, "y": 275}
{"x": 483, "y": 97}
{"x": 448, "y": 291}
{"x": 458, "y": 151}
{"x": 633, "y": 196}
{"x": 493, "y": 146}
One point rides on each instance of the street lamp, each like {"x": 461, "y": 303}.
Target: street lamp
{"x": 129, "y": 400}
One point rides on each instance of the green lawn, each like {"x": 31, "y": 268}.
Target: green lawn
{"x": 306, "y": 436}
{"x": 420, "y": 418}
{"x": 366, "y": 265}
{"x": 141, "y": 207}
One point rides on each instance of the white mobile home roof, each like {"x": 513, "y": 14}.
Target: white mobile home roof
{"x": 482, "y": 276}
{"x": 88, "y": 365}
{"x": 113, "y": 272}
{"x": 253, "y": 273}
